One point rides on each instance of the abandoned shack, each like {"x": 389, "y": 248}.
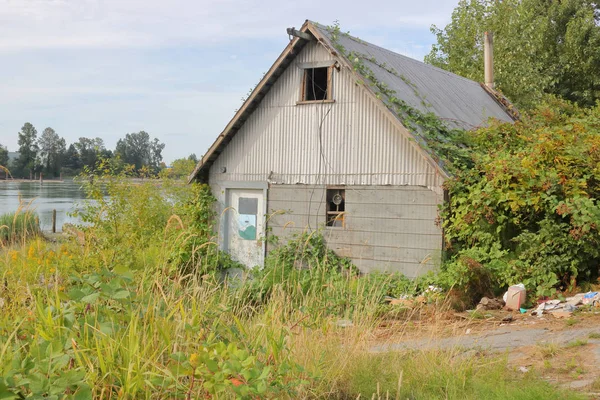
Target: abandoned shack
{"x": 316, "y": 145}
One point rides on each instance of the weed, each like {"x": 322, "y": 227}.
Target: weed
{"x": 436, "y": 375}
{"x": 548, "y": 350}
{"x": 19, "y": 226}
{"x": 571, "y": 321}
{"x": 476, "y": 314}
{"x": 577, "y": 343}
{"x": 594, "y": 335}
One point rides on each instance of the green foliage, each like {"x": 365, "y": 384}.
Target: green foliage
{"x": 303, "y": 265}
{"x": 528, "y": 211}
{"x": 111, "y": 315}
{"x": 539, "y": 47}
{"x": 122, "y": 214}
{"x": 305, "y": 268}
{"x": 88, "y": 152}
{"x": 222, "y": 368}
{"x": 18, "y": 226}
{"x": 26, "y": 163}
{"x": 72, "y": 161}
{"x": 180, "y": 168}
{"x": 138, "y": 150}
{"x": 195, "y": 247}
{"x": 49, "y": 154}
{"x": 3, "y": 156}
{"x": 52, "y": 151}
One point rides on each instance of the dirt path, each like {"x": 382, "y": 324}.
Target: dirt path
{"x": 564, "y": 352}
{"x": 500, "y": 339}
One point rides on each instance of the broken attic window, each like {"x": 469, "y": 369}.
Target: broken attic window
{"x": 336, "y": 206}
{"x": 316, "y": 84}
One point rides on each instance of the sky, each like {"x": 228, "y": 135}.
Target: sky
{"x": 177, "y": 69}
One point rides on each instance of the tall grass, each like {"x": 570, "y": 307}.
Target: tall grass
{"x": 19, "y": 226}
{"x": 105, "y": 319}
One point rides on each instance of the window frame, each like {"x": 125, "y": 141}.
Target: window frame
{"x": 339, "y": 215}
{"x": 329, "y": 96}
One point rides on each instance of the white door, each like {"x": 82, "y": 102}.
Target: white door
{"x": 245, "y": 231}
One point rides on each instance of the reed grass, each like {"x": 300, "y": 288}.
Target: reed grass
{"x": 19, "y": 226}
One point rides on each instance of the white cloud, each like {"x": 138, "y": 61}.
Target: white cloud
{"x": 133, "y": 23}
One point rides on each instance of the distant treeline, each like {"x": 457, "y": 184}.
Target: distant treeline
{"x": 49, "y": 154}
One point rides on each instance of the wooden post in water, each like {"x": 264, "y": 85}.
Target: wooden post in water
{"x": 54, "y": 221}
{"x": 41, "y": 178}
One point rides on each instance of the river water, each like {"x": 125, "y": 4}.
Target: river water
{"x": 50, "y": 195}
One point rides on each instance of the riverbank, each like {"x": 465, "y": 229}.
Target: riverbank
{"x": 32, "y": 181}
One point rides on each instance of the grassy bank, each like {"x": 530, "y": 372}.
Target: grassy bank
{"x": 19, "y": 226}
{"x": 136, "y": 307}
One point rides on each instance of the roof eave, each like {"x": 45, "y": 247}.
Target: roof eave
{"x": 508, "y": 107}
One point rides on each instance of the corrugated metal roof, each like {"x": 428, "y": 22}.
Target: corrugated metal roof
{"x": 460, "y": 102}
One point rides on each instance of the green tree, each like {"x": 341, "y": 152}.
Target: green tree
{"x": 72, "y": 161}
{"x": 52, "y": 151}
{"x": 3, "y": 156}
{"x": 137, "y": 149}
{"x": 156, "y": 149}
{"x": 90, "y": 150}
{"x": 28, "y": 149}
{"x": 540, "y": 47}
{"x": 181, "y": 168}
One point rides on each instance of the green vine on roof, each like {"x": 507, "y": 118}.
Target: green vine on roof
{"x": 447, "y": 146}
{"x": 392, "y": 71}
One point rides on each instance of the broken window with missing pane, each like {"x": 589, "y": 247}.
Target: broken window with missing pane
{"x": 336, "y": 207}
{"x": 316, "y": 84}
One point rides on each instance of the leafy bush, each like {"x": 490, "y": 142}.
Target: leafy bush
{"x": 194, "y": 243}
{"x": 120, "y": 214}
{"x": 527, "y": 211}
{"x": 304, "y": 265}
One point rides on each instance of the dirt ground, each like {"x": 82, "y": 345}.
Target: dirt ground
{"x": 564, "y": 351}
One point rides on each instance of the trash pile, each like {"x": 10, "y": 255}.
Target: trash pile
{"x": 564, "y": 309}
{"x": 514, "y": 299}
{"x": 409, "y": 301}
